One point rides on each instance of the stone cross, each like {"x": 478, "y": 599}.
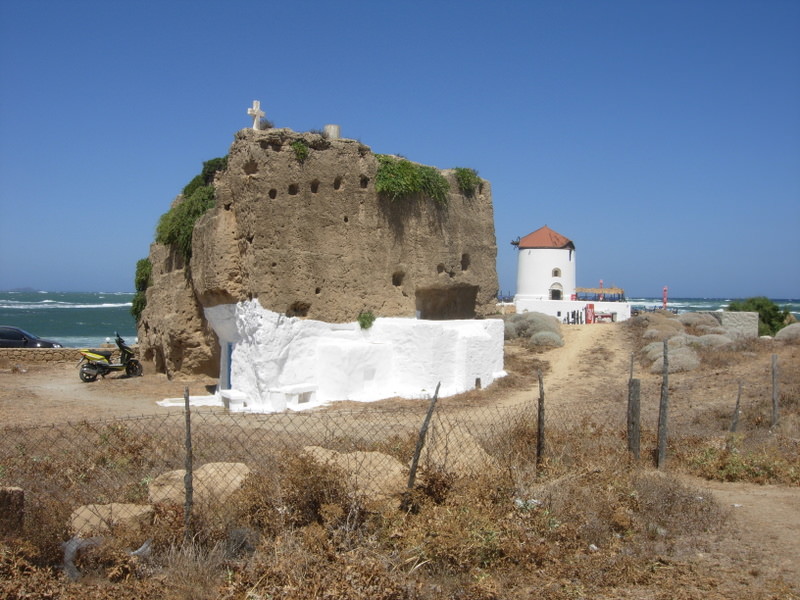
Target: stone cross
{"x": 256, "y": 113}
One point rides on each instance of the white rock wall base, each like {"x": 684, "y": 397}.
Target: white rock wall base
{"x": 278, "y": 362}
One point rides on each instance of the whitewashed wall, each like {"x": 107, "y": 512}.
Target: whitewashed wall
{"x": 270, "y": 361}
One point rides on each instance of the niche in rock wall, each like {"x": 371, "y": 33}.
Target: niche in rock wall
{"x": 250, "y": 167}
{"x": 298, "y": 308}
{"x": 456, "y": 302}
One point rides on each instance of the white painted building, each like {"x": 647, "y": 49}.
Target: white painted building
{"x": 271, "y": 362}
{"x": 546, "y": 281}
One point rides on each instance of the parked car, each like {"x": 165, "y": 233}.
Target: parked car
{"x": 14, "y": 337}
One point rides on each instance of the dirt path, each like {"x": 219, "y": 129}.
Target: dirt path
{"x": 767, "y": 519}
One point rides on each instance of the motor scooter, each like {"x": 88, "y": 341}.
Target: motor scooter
{"x": 98, "y": 362}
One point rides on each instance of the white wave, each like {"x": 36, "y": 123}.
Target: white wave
{"x": 52, "y": 304}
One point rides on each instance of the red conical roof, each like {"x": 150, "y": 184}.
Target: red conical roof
{"x": 544, "y": 237}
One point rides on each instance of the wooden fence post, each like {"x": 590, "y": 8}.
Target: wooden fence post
{"x": 735, "y": 420}
{"x": 634, "y": 417}
{"x": 187, "y": 478}
{"x": 412, "y": 475}
{"x": 662, "y": 411}
{"x": 12, "y": 511}
{"x": 775, "y": 394}
{"x": 540, "y": 422}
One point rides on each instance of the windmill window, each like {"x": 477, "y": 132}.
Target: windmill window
{"x": 556, "y": 272}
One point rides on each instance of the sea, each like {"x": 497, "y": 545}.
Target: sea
{"x": 89, "y": 319}
{"x": 73, "y": 319}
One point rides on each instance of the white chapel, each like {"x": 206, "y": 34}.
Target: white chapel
{"x": 546, "y": 282}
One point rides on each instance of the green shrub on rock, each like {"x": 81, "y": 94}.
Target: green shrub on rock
{"x": 175, "y": 227}
{"x": 468, "y": 181}
{"x": 398, "y": 178}
{"x": 770, "y": 317}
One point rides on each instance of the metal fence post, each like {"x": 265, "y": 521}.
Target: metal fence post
{"x": 187, "y": 478}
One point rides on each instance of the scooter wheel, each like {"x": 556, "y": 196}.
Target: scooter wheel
{"x": 87, "y": 376}
{"x": 134, "y": 369}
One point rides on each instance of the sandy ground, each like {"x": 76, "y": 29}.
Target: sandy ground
{"x": 595, "y": 360}
{"x": 39, "y": 395}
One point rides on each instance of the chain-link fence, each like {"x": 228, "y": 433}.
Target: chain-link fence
{"x": 92, "y": 475}
{"x": 81, "y": 479}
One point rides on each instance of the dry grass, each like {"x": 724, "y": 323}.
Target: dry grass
{"x": 587, "y": 522}
{"x": 590, "y": 528}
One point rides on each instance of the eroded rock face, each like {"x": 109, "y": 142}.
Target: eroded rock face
{"x": 313, "y": 238}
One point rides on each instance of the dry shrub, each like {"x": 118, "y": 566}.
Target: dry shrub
{"x": 526, "y": 325}
{"x": 303, "y": 491}
{"x": 546, "y": 339}
{"x": 304, "y": 564}
{"x": 193, "y": 571}
{"x": 661, "y": 503}
{"x": 755, "y": 459}
{"x": 732, "y": 353}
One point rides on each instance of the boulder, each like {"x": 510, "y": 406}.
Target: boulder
{"x": 374, "y": 475}
{"x": 680, "y": 359}
{"x": 93, "y": 519}
{"x": 211, "y": 483}
{"x": 456, "y": 451}
{"x": 790, "y": 334}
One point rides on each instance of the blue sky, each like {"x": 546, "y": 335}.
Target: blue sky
{"x": 662, "y": 137}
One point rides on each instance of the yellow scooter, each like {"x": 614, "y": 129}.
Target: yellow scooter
{"x": 98, "y": 362}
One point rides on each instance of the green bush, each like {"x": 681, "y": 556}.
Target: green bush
{"x": 433, "y": 184}
{"x": 176, "y": 226}
{"x": 138, "y": 305}
{"x": 399, "y": 178}
{"x": 192, "y": 186}
{"x": 210, "y": 168}
{"x": 300, "y": 150}
{"x": 468, "y": 181}
{"x": 144, "y": 268}
{"x": 365, "y": 319}
{"x": 770, "y": 317}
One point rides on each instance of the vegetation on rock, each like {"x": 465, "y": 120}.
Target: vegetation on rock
{"x": 399, "y": 178}
{"x": 300, "y": 150}
{"x": 176, "y": 226}
{"x": 144, "y": 270}
{"x": 468, "y": 181}
{"x": 365, "y": 319}
{"x": 770, "y": 317}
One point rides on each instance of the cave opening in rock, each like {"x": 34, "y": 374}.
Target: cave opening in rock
{"x": 457, "y": 302}
{"x": 298, "y": 308}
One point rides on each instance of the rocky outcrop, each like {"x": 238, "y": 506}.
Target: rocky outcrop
{"x": 311, "y": 237}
